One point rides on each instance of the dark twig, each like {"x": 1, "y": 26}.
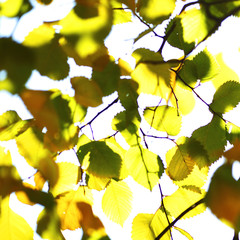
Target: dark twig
{"x": 179, "y": 217}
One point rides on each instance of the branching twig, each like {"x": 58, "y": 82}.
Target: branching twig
{"x": 179, "y": 217}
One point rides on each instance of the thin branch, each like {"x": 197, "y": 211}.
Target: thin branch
{"x": 179, "y": 217}
{"x": 100, "y": 112}
{"x": 164, "y": 209}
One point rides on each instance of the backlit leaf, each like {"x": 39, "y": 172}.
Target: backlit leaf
{"x": 181, "y": 199}
{"x": 97, "y": 183}
{"x": 107, "y": 79}
{"x": 223, "y": 196}
{"x": 212, "y": 137}
{"x": 99, "y": 159}
{"x": 51, "y": 110}
{"x": 117, "y": 201}
{"x": 48, "y": 225}
{"x": 151, "y": 73}
{"x": 226, "y": 97}
{"x": 31, "y": 147}
{"x": 87, "y": 35}
{"x": 225, "y": 73}
{"x": 163, "y": 118}
{"x": 144, "y": 166}
{"x": 184, "y": 233}
{"x": 159, "y": 223}
{"x": 69, "y": 208}
{"x": 155, "y": 11}
{"x": 13, "y": 226}
{"x": 18, "y": 61}
{"x": 14, "y": 8}
{"x": 87, "y": 93}
{"x": 11, "y": 125}
{"x": 141, "y": 227}
{"x": 233, "y": 153}
{"x": 67, "y": 179}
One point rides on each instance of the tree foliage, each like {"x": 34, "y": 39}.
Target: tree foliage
{"x": 64, "y": 121}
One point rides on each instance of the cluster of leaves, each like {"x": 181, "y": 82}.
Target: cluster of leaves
{"x": 58, "y": 119}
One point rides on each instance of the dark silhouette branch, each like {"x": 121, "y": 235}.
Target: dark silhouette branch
{"x": 179, "y": 217}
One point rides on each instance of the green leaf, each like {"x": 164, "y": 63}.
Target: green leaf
{"x": 87, "y": 35}
{"x": 212, "y": 137}
{"x": 226, "y": 97}
{"x": 164, "y": 119}
{"x": 11, "y": 125}
{"x": 108, "y": 78}
{"x": 18, "y": 61}
{"x": 174, "y": 31}
{"x": 13, "y": 226}
{"x": 202, "y": 67}
{"x": 152, "y": 73}
{"x": 99, "y": 159}
{"x": 48, "y": 225}
{"x": 87, "y": 92}
{"x": 52, "y": 110}
{"x": 155, "y": 11}
{"x": 117, "y": 201}
{"x": 144, "y": 166}
{"x": 181, "y": 199}
{"x": 141, "y": 227}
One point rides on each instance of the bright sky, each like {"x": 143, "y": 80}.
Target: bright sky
{"x": 119, "y": 43}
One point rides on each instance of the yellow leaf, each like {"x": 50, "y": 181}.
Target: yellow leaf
{"x": 87, "y": 92}
{"x": 117, "y": 201}
{"x": 13, "y": 226}
{"x": 68, "y": 178}
{"x": 141, "y": 227}
{"x": 10, "y": 8}
{"x": 183, "y": 198}
{"x": 68, "y": 209}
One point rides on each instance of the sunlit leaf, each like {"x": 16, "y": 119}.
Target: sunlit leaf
{"x": 233, "y": 153}
{"x": 223, "y": 196}
{"x": 144, "y": 166}
{"x": 31, "y": 147}
{"x": 125, "y": 67}
{"x": 117, "y": 201}
{"x": 184, "y": 233}
{"x": 51, "y": 110}
{"x": 87, "y": 35}
{"x": 11, "y": 125}
{"x": 14, "y": 8}
{"x": 188, "y": 163}
{"x": 87, "y": 93}
{"x": 159, "y": 223}
{"x": 99, "y": 159}
{"x": 5, "y": 157}
{"x": 174, "y": 31}
{"x": 163, "y": 118}
{"x": 183, "y": 198}
{"x": 226, "y": 97}
{"x": 121, "y": 15}
{"x": 13, "y": 226}
{"x": 97, "y": 183}
{"x": 141, "y": 227}
{"x": 212, "y": 137}
{"x": 128, "y": 3}
{"x": 225, "y": 73}
{"x": 196, "y": 25}
{"x": 155, "y": 11}
{"x": 18, "y": 61}
{"x": 48, "y": 225}
{"x": 151, "y": 73}
{"x": 69, "y": 208}
{"x": 202, "y": 67}
{"x": 67, "y": 179}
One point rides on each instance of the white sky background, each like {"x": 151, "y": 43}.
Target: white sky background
{"x": 119, "y": 43}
